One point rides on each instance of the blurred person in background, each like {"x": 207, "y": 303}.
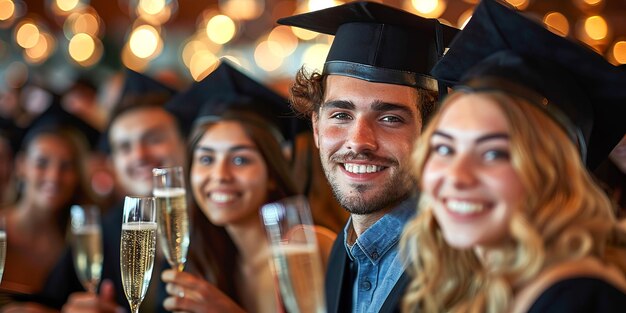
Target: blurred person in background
{"x": 141, "y": 135}
{"x": 51, "y": 171}
{"x": 511, "y": 219}
{"x": 10, "y": 136}
{"x": 236, "y": 166}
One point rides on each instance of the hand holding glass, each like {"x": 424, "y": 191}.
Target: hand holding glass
{"x": 171, "y": 203}
{"x": 87, "y": 245}
{"x": 138, "y": 248}
{"x": 297, "y": 261}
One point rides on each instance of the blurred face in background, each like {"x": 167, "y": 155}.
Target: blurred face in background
{"x": 229, "y": 177}
{"x": 618, "y": 155}
{"x": 49, "y": 172}
{"x": 469, "y": 176}
{"x": 142, "y": 139}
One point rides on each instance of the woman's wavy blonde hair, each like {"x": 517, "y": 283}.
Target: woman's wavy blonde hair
{"x": 565, "y": 217}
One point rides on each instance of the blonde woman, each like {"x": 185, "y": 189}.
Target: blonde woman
{"x": 510, "y": 220}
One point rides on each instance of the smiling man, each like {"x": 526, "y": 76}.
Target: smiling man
{"x": 367, "y": 108}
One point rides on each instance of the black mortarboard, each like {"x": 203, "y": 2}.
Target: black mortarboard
{"x": 56, "y": 118}
{"x": 226, "y": 89}
{"x": 379, "y": 43}
{"x": 137, "y": 89}
{"x": 501, "y": 49}
{"x": 137, "y": 84}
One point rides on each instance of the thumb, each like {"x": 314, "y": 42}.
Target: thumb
{"x": 107, "y": 291}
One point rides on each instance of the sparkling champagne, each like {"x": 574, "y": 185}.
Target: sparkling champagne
{"x": 299, "y": 271}
{"x": 137, "y": 258}
{"x": 173, "y": 222}
{"x": 87, "y": 251}
{"x": 3, "y": 251}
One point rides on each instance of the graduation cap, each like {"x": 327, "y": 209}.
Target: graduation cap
{"x": 228, "y": 89}
{"x": 379, "y": 43}
{"x": 499, "y": 49}
{"x": 137, "y": 89}
{"x": 56, "y": 118}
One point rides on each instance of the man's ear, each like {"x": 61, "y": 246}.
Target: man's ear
{"x": 314, "y": 120}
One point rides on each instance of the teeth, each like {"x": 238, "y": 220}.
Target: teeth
{"x": 361, "y": 168}
{"x": 464, "y": 207}
{"x": 222, "y": 197}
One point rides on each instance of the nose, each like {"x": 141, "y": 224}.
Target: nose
{"x": 139, "y": 152}
{"x": 461, "y": 172}
{"x": 221, "y": 171}
{"x": 362, "y": 136}
{"x": 53, "y": 173}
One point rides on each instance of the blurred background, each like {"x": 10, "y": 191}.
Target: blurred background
{"x": 53, "y": 42}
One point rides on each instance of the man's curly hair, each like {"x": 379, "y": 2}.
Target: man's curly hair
{"x": 307, "y": 94}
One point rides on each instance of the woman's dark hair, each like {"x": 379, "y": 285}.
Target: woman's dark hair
{"x": 214, "y": 252}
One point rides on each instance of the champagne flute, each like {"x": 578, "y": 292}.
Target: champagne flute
{"x": 171, "y": 203}
{"x": 138, "y": 248}
{"x": 87, "y": 245}
{"x": 296, "y": 258}
{"x": 3, "y": 245}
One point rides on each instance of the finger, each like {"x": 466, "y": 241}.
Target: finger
{"x": 107, "y": 291}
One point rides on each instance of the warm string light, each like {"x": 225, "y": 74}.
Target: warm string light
{"x": 557, "y": 23}
{"x": 426, "y": 8}
{"x": 218, "y": 32}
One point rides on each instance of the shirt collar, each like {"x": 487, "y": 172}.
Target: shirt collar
{"x": 385, "y": 233}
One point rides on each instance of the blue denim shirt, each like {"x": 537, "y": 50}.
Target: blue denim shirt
{"x": 376, "y": 253}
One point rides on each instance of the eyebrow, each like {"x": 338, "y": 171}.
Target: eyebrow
{"x": 378, "y": 106}
{"x": 231, "y": 149}
{"x": 492, "y": 136}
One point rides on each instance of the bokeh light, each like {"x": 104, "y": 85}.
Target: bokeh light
{"x": 202, "y": 64}
{"x": 242, "y": 9}
{"x": 87, "y": 22}
{"x": 519, "y": 4}
{"x": 220, "y": 29}
{"x": 315, "y": 55}
{"x": 314, "y": 5}
{"x": 265, "y": 57}
{"x": 596, "y": 27}
{"x": 81, "y": 47}
{"x": 557, "y": 23}
{"x": 7, "y": 9}
{"x": 426, "y": 8}
{"x": 619, "y": 52}
{"x": 144, "y": 41}
{"x": 27, "y": 34}
{"x": 42, "y": 50}
{"x": 303, "y": 34}
{"x": 67, "y": 5}
{"x": 152, "y": 7}
{"x": 283, "y": 36}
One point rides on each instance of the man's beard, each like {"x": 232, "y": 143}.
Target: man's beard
{"x": 397, "y": 188}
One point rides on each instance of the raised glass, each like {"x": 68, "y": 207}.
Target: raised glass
{"x": 138, "y": 248}
{"x": 87, "y": 244}
{"x": 171, "y": 202}
{"x": 296, "y": 258}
